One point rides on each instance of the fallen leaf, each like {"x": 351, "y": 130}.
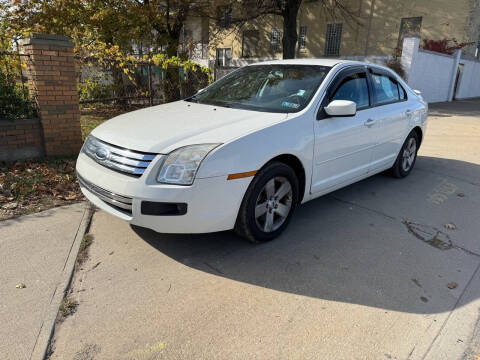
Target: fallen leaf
{"x": 10, "y": 206}
{"x": 71, "y": 196}
{"x": 452, "y": 285}
{"x": 450, "y": 226}
{"x": 21, "y": 286}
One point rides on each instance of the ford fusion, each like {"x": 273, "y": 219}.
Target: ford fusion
{"x": 244, "y": 152}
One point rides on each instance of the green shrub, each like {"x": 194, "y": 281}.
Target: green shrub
{"x": 15, "y": 102}
{"x": 93, "y": 88}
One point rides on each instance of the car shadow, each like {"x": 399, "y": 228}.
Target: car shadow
{"x": 339, "y": 249}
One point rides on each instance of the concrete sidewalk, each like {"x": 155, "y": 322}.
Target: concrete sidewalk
{"x": 37, "y": 250}
{"x": 368, "y": 272}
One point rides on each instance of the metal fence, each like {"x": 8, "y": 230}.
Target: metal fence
{"x": 16, "y": 102}
{"x": 142, "y": 85}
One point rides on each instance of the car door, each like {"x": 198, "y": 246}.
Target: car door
{"x": 344, "y": 145}
{"x": 392, "y": 115}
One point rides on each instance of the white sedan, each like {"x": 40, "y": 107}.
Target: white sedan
{"x": 245, "y": 151}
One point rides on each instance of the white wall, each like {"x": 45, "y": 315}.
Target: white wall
{"x": 432, "y": 75}
{"x": 469, "y": 82}
{"x": 430, "y": 72}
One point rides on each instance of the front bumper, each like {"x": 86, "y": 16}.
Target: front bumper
{"x": 212, "y": 203}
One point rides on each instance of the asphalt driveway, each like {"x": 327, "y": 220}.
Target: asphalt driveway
{"x": 382, "y": 269}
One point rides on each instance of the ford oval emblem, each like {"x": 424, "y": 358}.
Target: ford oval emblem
{"x": 102, "y": 154}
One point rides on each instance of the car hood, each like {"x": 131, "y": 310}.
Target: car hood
{"x": 163, "y": 128}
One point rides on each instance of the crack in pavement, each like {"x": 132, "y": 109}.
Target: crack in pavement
{"x": 362, "y": 207}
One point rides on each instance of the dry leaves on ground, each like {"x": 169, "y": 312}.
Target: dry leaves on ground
{"x": 452, "y": 285}
{"x": 36, "y": 185}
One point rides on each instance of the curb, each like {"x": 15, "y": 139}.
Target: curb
{"x": 45, "y": 335}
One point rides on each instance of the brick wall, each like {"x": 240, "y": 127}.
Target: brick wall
{"x": 20, "y": 139}
{"x": 53, "y": 81}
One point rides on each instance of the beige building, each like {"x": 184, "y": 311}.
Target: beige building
{"x": 376, "y": 28}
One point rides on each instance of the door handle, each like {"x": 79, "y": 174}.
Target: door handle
{"x": 370, "y": 122}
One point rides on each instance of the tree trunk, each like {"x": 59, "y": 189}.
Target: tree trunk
{"x": 290, "y": 35}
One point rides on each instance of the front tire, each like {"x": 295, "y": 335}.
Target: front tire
{"x": 268, "y": 204}
{"x": 407, "y": 156}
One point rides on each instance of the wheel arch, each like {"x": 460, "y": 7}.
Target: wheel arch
{"x": 297, "y": 166}
{"x": 418, "y": 130}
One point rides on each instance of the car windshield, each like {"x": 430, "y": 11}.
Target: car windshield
{"x": 269, "y": 88}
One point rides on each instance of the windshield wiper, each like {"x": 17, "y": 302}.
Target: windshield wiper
{"x": 218, "y": 103}
{"x": 192, "y": 99}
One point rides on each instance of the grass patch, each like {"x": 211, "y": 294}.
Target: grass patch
{"x": 83, "y": 251}
{"x": 67, "y": 307}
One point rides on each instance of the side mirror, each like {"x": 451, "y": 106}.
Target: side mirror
{"x": 341, "y": 108}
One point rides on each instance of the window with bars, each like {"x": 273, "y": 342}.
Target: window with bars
{"x": 302, "y": 38}
{"x": 249, "y": 43}
{"x": 333, "y": 38}
{"x": 275, "y": 40}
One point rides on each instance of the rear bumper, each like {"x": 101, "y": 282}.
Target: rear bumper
{"x": 212, "y": 203}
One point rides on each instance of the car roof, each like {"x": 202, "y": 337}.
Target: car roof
{"x": 322, "y": 62}
{"x": 325, "y": 62}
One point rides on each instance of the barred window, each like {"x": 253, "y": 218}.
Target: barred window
{"x": 249, "y": 43}
{"x": 333, "y": 39}
{"x": 302, "y": 38}
{"x": 275, "y": 40}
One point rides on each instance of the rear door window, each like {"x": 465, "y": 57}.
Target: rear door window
{"x": 386, "y": 89}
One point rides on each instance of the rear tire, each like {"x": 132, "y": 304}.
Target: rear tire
{"x": 406, "y": 157}
{"x": 268, "y": 204}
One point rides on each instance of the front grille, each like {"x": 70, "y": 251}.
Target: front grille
{"x": 122, "y": 203}
{"x": 123, "y": 160}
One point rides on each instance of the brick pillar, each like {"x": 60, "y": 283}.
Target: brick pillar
{"x": 53, "y": 82}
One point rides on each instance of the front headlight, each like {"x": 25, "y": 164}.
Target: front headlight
{"x": 181, "y": 165}
{"x": 90, "y": 146}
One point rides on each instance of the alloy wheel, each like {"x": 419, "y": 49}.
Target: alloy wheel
{"x": 409, "y": 153}
{"x": 273, "y": 204}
